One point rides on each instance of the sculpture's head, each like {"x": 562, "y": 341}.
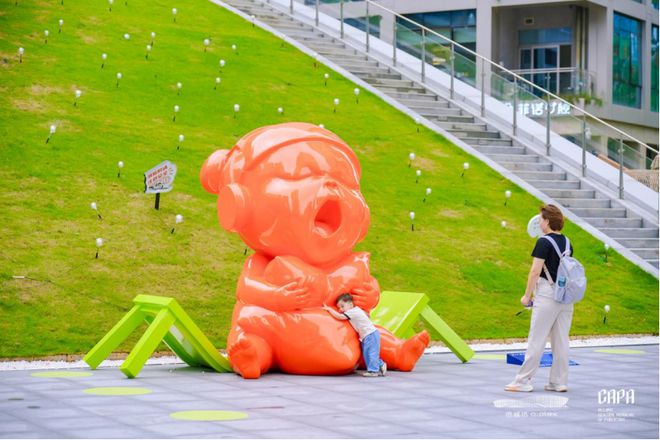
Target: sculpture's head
{"x": 290, "y": 189}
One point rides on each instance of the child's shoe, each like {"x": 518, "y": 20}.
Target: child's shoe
{"x": 370, "y": 374}
{"x": 382, "y": 371}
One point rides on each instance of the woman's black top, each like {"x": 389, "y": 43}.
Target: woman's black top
{"x": 545, "y": 251}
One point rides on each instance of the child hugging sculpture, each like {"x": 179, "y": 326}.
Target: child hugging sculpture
{"x": 292, "y": 192}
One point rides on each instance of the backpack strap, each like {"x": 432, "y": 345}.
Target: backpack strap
{"x": 554, "y": 245}
{"x": 547, "y": 274}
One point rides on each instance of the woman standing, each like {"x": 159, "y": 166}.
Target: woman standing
{"x": 549, "y": 317}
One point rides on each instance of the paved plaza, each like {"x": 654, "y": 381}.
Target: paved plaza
{"x": 613, "y": 393}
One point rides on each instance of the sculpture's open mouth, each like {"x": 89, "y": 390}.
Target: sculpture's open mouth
{"x": 328, "y": 218}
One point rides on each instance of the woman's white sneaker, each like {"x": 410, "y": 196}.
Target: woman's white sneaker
{"x": 519, "y": 387}
{"x": 556, "y": 388}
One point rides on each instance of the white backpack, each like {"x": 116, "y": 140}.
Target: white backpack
{"x": 571, "y": 282}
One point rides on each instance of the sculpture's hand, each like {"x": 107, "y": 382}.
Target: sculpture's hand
{"x": 295, "y": 295}
{"x": 366, "y": 296}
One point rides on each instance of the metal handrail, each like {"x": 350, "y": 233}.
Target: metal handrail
{"x": 515, "y": 75}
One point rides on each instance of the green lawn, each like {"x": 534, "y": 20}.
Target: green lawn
{"x": 473, "y": 269}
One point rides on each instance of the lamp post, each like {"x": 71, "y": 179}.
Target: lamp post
{"x": 466, "y": 166}
{"x": 104, "y": 56}
{"x": 411, "y": 214}
{"x": 119, "y": 76}
{"x": 336, "y": 103}
{"x": 146, "y": 54}
{"x": 21, "y": 51}
{"x": 237, "y": 108}
{"x": 61, "y": 23}
{"x": 607, "y": 310}
{"x": 127, "y": 36}
{"x": 181, "y": 138}
{"x": 280, "y": 110}
{"x": 120, "y": 165}
{"x": 411, "y": 157}
{"x": 99, "y": 243}
{"x": 418, "y": 173}
{"x": 153, "y": 35}
{"x": 356, "y": 91}
{"x": 503, "y": 223}
{"x": 110, "y": 2}
{"x": 96, "y": 209}
{"x": 507, "y": 196}
{"x": 206, "y": 43}
{"x": 177, "y": 219}
{"x": 46, "y": 33}
{"x": 176, "y": 110}
{"x": 179, "y": 86}
{"x": 417, "y": 122}
{"x": 52, "y": 131}
{"x": 77, "y": 95}
{"x": 607, "y": 248}
{"x": 174, "y": 12}
{"x": 325, "y": 77}
{"x": 217, "y": 82}
{"x": 428, "y": 193}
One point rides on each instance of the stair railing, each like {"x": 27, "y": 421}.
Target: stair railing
{"x": 524, "y": 97}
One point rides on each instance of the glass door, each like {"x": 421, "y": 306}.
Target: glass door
{"x": 546, "y": 60}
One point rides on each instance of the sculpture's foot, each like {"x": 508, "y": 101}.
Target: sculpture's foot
{"x": 412, "y": 350}
{"x": 244, "y": 358}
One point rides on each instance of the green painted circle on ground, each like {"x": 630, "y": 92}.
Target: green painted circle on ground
{"x": 619, "y": 351}
{"x": 62, "y": 374}
{"x": 490, "y": 356}
{"x": 117, "y": 391}
{"x": 209, "y": 415}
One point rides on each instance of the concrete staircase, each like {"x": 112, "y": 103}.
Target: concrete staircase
{"x": 604, "y": 213}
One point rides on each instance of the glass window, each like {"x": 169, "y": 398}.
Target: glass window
{"x": 654, "y": 3}
{"x": 545, "y": 36}
{"x": 627, "y": 61}
{"x": 460, "y": 26}
{"x": 374, "y": 24}
{"x": 654, "y": 69}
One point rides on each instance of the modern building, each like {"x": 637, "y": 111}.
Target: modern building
{"x": 600, "y": 54}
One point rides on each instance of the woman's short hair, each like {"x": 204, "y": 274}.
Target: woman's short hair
{"x": 554, "y": 217}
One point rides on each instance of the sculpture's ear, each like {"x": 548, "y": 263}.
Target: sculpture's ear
{"x": 232, "y": 207}
{"x": 211, "y": 173}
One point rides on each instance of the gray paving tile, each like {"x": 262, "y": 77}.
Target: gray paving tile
{"x": 441, "y": 398}
{"x": 13, "y": 426}
{"x": 189, "y": 428}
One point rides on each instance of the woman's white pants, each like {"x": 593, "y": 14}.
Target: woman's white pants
{"x": 549, "y": 318}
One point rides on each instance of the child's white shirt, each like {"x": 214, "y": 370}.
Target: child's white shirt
{"x": 360, "y": 322}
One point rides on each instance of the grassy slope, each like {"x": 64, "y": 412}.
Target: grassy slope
{"x": 474, "y": 270}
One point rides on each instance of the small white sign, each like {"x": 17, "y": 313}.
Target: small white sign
{"x": 160, "y": 178}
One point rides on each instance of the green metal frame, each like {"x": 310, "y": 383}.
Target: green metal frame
{"x": 399, "y": 311}
{"x": 168, "y": 322}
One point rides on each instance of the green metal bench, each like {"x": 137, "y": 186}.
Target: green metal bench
{"x": 399, "y": 311}
{"x": 168, "y": 322}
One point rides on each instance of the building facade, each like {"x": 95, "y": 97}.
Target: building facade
{"x": 600, "y": 54}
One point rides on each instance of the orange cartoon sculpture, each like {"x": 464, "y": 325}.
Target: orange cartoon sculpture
{"x": 292, "y": 192}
